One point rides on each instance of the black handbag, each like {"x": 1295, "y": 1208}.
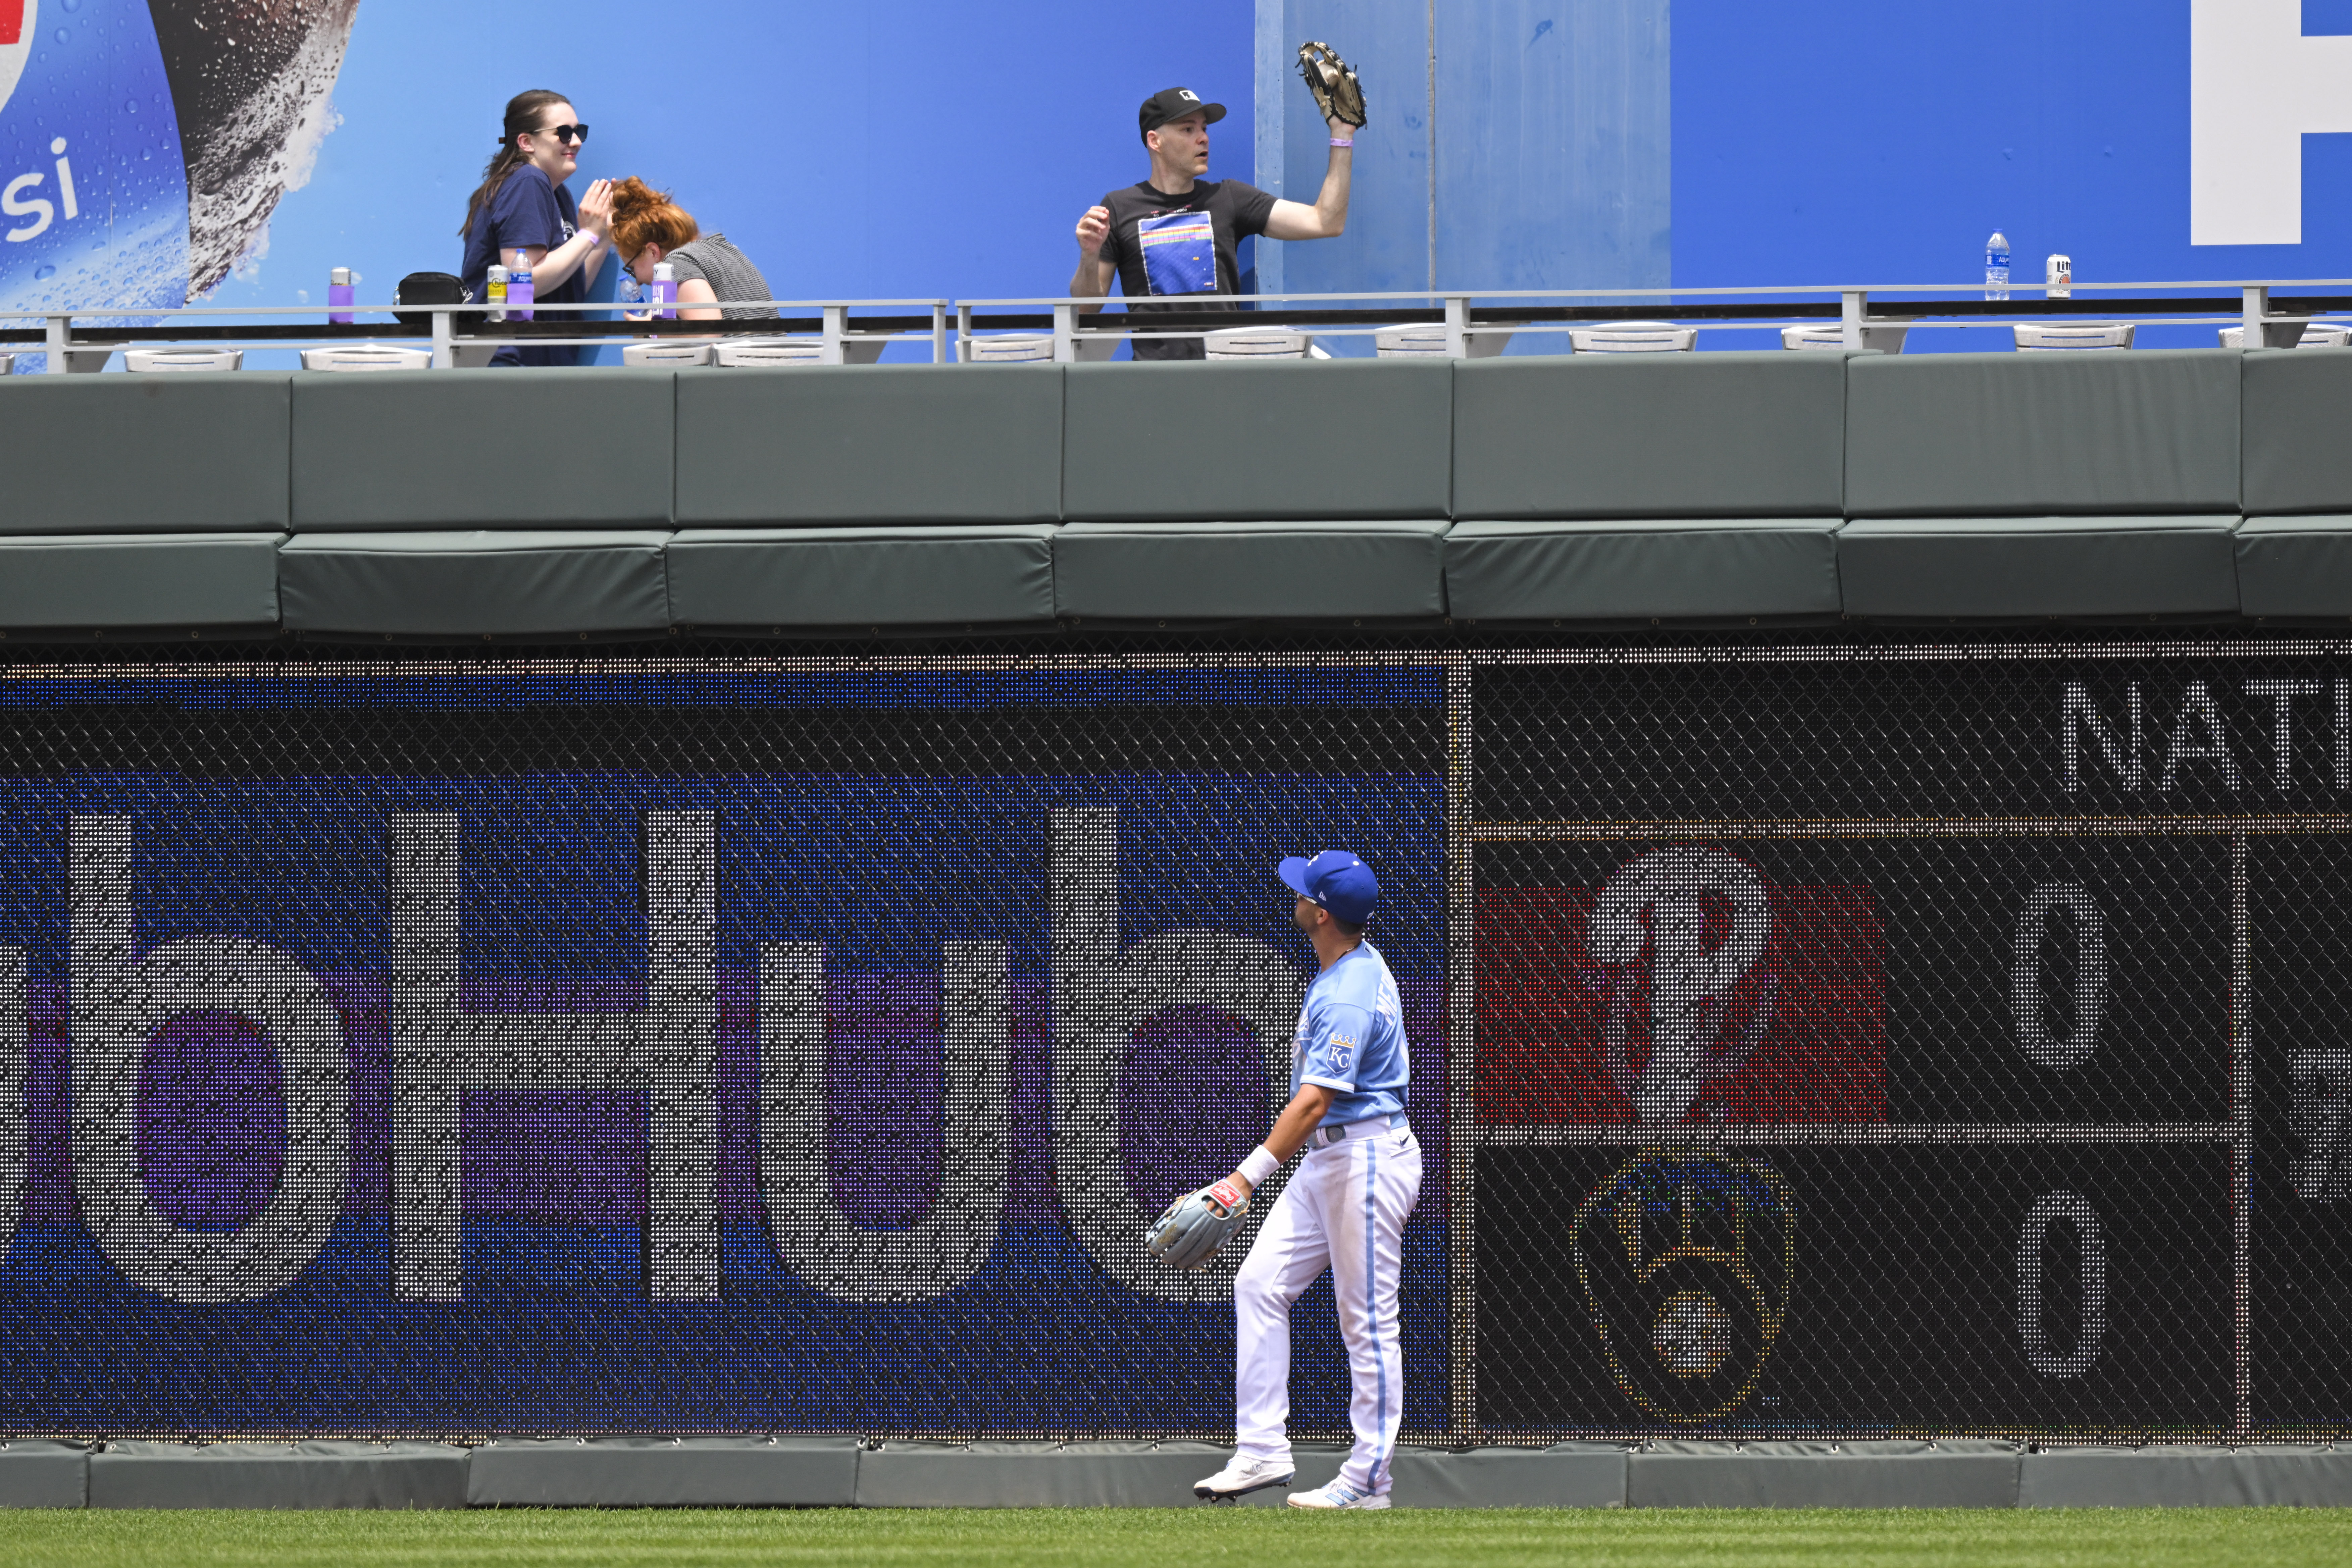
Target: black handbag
{"x": 428, "y": 289}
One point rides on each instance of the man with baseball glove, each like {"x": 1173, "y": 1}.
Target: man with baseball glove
{"x": 1175, "y": 234}
{"x": 1345, "y": 1208}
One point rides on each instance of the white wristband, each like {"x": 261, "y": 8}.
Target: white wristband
{"x": 1258, "y": 1164}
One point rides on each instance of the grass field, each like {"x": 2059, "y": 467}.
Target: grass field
{"x": 1638, "y": 1539}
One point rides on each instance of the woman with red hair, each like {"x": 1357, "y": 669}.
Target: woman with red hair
{"x": 714, "y": 278}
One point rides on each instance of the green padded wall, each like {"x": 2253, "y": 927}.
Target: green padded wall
{"x": 139, "y": 579}
{"x": 925, "y": 576}
{"x": 567, "y": 448}
{"x": 1276, "y": 572}
{"x": 1650, "y": 435}
{"x": 2029, "y": 567}
{"x": 2295, "y": 567}
{"x": 2114, "y": 432}
{"x": 1715, "y": 571}
{"x": 881, "y": 443}
{"x": 474, "y": 584}
{"x": 1333, "y": 439}
{"x": 2298, "y": 409}
{"x": 143, "y": 454}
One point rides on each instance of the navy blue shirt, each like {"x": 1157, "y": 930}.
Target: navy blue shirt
{"x": 529, "y": 209}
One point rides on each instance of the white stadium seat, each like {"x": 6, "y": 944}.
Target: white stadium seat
{"x": 1259, "y": 343}
{"x": 2315, "y": 335}
{"x": 145, "y": 361}
{"x": 1429, "y": 337}
{"x": 668, "y": 353}
{"x": 367, "y": 357}
{"x": 1829, "y": 335}
{"x": 2038, "y": 339}
{"x": 1636, "y": 337}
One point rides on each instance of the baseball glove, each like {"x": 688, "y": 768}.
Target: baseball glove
{"x": 1189, "y": 1232}
{"x": 1333, "y": 82}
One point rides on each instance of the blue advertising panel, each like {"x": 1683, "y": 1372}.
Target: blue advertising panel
{"x": 672, "y": 1045}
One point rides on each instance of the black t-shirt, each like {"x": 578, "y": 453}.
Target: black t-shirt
{"x": 1165, "y": 245}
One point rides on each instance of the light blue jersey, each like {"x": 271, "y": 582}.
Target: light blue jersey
{"x": 1351, "y": 1038}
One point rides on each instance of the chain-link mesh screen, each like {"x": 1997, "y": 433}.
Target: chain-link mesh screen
{"x": 1829, "y": 1037}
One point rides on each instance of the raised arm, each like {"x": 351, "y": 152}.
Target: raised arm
{"x": 1327, "y": 218}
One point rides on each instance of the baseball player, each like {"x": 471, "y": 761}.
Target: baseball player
{"x": 1175, "y": 234}
{"x": 1345, "y": 1208}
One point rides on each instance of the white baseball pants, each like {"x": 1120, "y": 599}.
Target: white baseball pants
{"x": 1344, "y": 1208}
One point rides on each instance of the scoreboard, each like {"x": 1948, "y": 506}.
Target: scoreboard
{"x": 1891, "y": 1038}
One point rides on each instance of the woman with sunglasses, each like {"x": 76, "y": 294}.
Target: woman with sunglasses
{"x": 522, "y": 207}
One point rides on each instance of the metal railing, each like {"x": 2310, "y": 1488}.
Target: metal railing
{"x": 854, "y": 330}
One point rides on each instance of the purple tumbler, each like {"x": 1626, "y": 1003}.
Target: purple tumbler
{"x": 339, "y": 296}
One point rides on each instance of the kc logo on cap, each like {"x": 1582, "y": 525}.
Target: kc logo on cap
{"x": 1188, "y": 95}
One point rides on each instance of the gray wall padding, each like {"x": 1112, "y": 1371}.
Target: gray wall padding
{"x": 474, "y": 584}
{"x": 2186, "y": 1478}
{"x": 1650, "y": 435}
{"x": 2295, "y": 567}
{"x": 1955, "y": 435}
{"x": 663, "y": 1472}
{"x": 570, "y": 448}
{"x": 2298, "y": 406}
{"x": 1639, "y": 570}
{"x": 277, "y": 1475}
{"x": 882, "y": 444}
{"x": 1336, "y": 439}
{"x": 139, "y": 580}
{"x": 786, "y": 578}
{"x": 1822, "y": 1475}
{"x": 37, "y": 1472}
{"x": 1276, "y": 571}
{"x": 2009, "y": 568}
{"x": 1570, "y": 1475}
{"x": 143, "y": 454}
{"x": 1053, "y": 1475}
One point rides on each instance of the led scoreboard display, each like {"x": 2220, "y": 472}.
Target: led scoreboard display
{"x": 1908, "y": 1040}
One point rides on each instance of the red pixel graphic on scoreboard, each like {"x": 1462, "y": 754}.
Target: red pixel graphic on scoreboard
{"x": 1688, "y": 989}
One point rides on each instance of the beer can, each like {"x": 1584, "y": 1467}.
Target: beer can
{"x": 2058, "y": 276}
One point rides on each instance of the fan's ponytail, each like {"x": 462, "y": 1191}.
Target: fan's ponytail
{"x": 523, "y": 112}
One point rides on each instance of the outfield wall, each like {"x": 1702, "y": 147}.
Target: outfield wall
{"x": 1848, "y": 1026}
{"x": 1825, "y": 1037}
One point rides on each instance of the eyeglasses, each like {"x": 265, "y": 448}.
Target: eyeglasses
{"x": 567, "y": 134}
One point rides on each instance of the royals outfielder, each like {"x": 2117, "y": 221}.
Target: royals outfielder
{"x": 1346, "y": 1206}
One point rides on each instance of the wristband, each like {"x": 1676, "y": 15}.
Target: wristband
{"x": 1258, "y": 1164}
{"x": 594, "y": 239}
{"x": 1343, "y": 142}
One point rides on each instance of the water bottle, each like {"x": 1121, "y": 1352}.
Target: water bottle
{"x": 497, "y": 293}
{"x": 626, "y": 292}
{"x": 665, "y": 291}
{"x": 2058, "y": 278}
{"x": 518, "y": 289}
{"x": 1996, "y": 266}
{"x": 340, "y": 297}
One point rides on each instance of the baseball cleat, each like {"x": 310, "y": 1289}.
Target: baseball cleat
{"x": 1243, "y": 1475}
{"x": 1339, "y": 1494}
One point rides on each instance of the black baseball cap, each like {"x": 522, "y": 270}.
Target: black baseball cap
{"x": 1174, "y": 103}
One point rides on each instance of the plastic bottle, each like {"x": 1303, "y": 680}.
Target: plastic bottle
{"x": 664, "y": 290}
{"x": 497, "y": 292}
{"x": 518, "y": 289}
{"x": 2058, "y": 278}
{"x": 340, "y": 297}
{"x": 1996, "y": 266}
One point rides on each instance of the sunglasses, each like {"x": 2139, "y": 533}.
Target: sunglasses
{"x": 567, "y": 134}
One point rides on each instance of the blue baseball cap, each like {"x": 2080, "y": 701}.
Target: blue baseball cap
{"x": 1340, "y": 882}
